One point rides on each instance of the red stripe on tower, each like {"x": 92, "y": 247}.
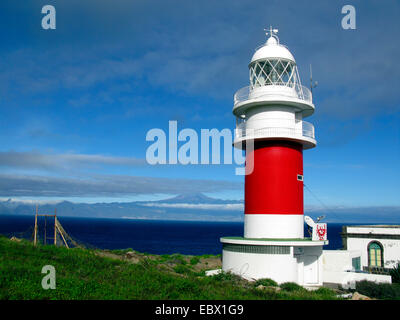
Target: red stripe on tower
{"x": 275, "y": 185}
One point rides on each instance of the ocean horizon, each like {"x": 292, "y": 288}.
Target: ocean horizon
{"x": 151, "y": 236}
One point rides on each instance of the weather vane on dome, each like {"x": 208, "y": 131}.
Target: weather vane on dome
{"x": 271, "y": 31}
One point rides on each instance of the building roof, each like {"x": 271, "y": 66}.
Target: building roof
{"x": 375, "y": 226}
{"x": 383, "y": 231}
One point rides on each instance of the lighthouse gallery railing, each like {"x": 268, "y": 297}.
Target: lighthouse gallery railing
{"x": 292, "y": 128}
{"x": 298, "y": 92}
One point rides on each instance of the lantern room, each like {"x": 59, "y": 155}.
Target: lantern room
{"x": 273, "y": 64}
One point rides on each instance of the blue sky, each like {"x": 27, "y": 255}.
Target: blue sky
{"x": 76, "y": 102}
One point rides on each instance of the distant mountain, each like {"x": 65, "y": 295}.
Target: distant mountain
{"x": 197, "y": 198}
{"x": 182, "y": 207}
{"x": 196, "y": 207}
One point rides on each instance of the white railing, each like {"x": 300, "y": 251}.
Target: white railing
{"x": 298, "y": 92}
{"x": 308, "y": 130}
{"x": 285, "y": 128}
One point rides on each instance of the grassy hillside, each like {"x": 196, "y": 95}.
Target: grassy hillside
{"x": 125, "y": 274}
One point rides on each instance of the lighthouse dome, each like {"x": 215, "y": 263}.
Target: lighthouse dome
{"x": 273, "y": 65}
{"x": 272, "y": 49}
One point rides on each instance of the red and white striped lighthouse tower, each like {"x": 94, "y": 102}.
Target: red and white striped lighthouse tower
{"x": 272, "y": 109}
{"x": 270, "y": 113}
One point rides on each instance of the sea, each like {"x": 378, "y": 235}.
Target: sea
{"x": 150, "y": 236}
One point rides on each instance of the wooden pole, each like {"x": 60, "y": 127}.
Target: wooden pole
{"x": 66, "y": 244}
{"x": 55, "y": 228}
{"x": 45, "y": 227}
{"x": 35, "y": 231}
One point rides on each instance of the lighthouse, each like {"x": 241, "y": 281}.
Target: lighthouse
{"x": 270, "y": 115}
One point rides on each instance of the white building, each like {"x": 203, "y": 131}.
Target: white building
{"x": 369, "y": 252}
{"x": 379, "y": 245}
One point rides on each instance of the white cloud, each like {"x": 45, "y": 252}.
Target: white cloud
{"x": 228, "y": 206}
{"x": 16, "y": 185}
{"x": 37, "y": 160}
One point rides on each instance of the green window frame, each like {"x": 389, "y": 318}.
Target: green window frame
{"x": 375, "y": 254}
{"x": 356, "y": 263}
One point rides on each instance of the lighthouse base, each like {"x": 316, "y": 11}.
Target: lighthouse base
{"x": 295, "y": 260}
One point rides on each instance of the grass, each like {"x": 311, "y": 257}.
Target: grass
{"x": 89, "y": 274}
{"x": 291, "y": 287}
{"x": 266, "y": 282}
{"x": 194, "y": 260}
{"x": 395, "y": 273}
{"x": 385, "y": 291}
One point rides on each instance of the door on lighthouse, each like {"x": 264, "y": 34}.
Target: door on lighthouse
{"x": 311, "y": 269}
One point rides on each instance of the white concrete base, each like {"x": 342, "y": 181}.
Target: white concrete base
{"x": 213, "y": 272}
{"x": 282, "y": 261}
{"x": 347, "y": 280}
{"x": 274, "y": 226}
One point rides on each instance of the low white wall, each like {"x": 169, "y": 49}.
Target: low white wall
{"x": 337, "y": 263}
{"x": 348, "y": 279}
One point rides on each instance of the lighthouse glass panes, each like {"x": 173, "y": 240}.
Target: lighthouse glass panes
{"x": 279, "y": 72}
